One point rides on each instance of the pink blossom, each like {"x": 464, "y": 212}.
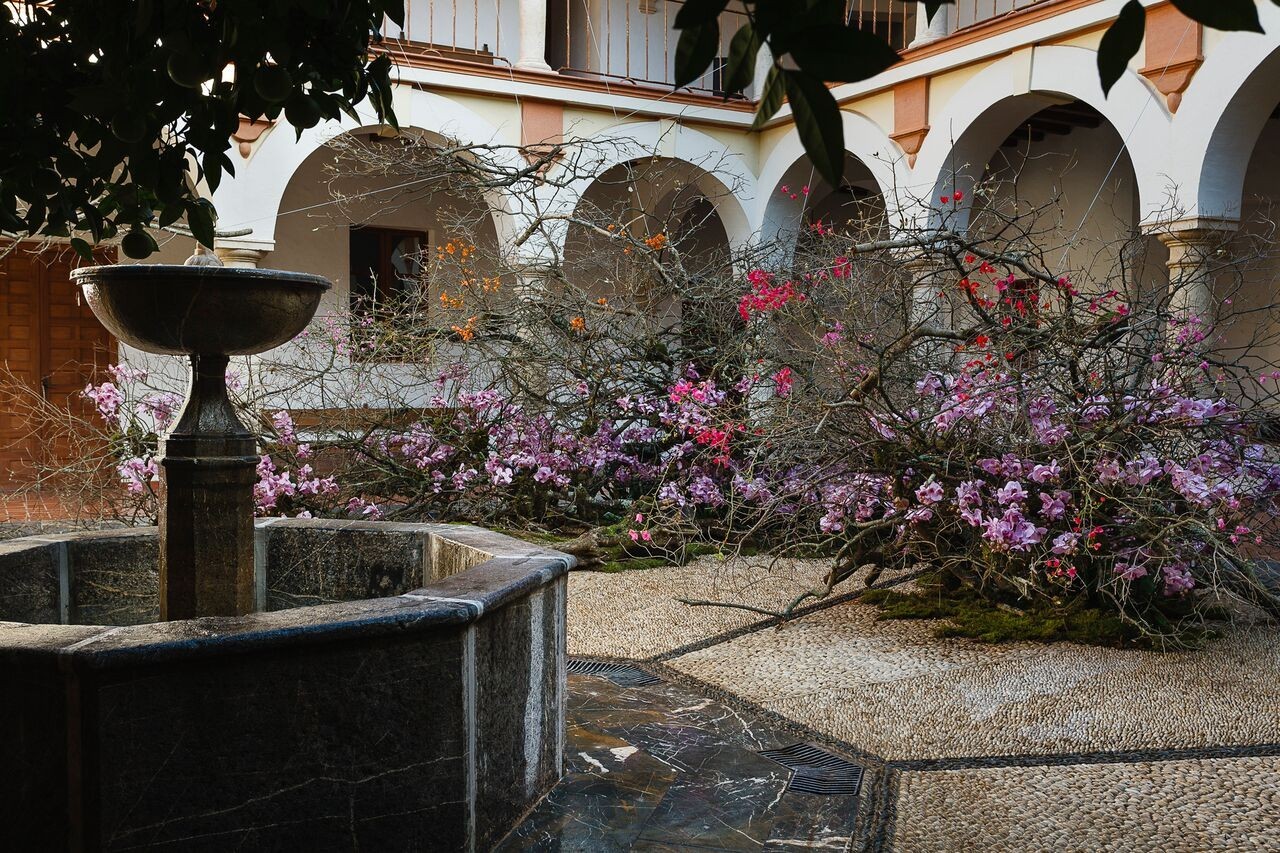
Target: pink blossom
{"x": 783, "y": 382}
{"x": 930, "y": 493}
{"x": 1011, "y": 492}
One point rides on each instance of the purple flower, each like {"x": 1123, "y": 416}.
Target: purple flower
{"x": 1012, "y": 532}
{"x": 1054, "y": 506}
{"x": 991, "y": 466}
{"x": 704, "y": 490}
{"x": 1129, "y": 571}
{"x": 929, "y": 386}
{"x": 1011, "y": 492}
{"x": 1065, "y": 543}
{"x": 969, "y": 493}
{"x": 160, "y": 407}
{"x": 106, "y": 397}
{"x": 1044, "y": 473}
{"x": 137, "y": 473}
{"x": 919, "y": 515}
{"x": 930, "y": 493}
{"x": 1177, "y": 578}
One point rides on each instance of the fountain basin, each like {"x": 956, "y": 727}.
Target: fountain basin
{"x": 181, "y": 310}
{"x": 401, "y": 687}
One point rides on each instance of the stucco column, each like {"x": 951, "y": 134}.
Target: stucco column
{"x": 533, "y": 36}
{"x": 926, "y": 30}
{"x": 929, "y": 277}
{"x": 1196, "y": 250}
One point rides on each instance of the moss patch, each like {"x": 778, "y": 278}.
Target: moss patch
{"x": 631, "y": 564}
{"x": 964, "y": 614}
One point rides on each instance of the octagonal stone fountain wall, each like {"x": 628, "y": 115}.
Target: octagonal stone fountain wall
{"x": 401, "y": 687}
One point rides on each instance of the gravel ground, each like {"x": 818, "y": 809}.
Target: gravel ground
{"x": 637, "y": 614}
{"x": 894, "y": 690}
{"x": 1162, "y": 807}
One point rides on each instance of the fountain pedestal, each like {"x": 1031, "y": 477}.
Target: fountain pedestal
{"x": 209, "y": 465}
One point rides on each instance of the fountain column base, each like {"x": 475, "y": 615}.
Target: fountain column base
{"x": 206, "y": 538}
{"x": 209, "y": 466}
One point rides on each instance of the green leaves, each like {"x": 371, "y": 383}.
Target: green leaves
{"x": 95, "y": 149}
{"x": 82, "y": 248}
{"x": 842, "y": 54}
{"x": 818, "y": 122}
{"x": 695, "y": 13}
{"x": 1120, "y": 42}
{"x": 695, "y": 51}
{"x": 200, "y": 219}
{"x": 1222, "y": 14}
{"x": 931, "y": 7}
{"x": 741, "y": 66}
{"x": 771, "y": 97}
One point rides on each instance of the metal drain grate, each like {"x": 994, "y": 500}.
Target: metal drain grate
{"x": 816, "y": 771}
{"x": 620, "y": 674}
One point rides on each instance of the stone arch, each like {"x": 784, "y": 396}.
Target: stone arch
{"x": 1215, "y": 136}
{"x": 721, "y": 178}
{"x": 254, "y": 197}
{"x": 980, "y": 116}
{"x": 872, "y": 162}
{"x": 328, "y": 219}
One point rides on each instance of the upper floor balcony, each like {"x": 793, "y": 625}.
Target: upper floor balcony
{"x": 632, "y": 43}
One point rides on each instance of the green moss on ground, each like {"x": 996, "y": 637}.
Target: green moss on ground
{"x": 965, "y": 614}
{"x": 631, "y": 564}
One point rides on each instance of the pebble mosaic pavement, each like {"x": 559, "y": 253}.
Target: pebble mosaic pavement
{"x": 968, "y": 747}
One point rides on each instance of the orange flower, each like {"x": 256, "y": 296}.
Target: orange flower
{"x": 656, "y": 242}
{"x": 578, "y": 324}
{"x": 602, "y": 301}
{"x": 466, "y": 332}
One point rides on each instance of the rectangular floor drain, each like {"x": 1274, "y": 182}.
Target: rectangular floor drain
{"x": 816, "y": 771}
{"x": 620, "y": 674}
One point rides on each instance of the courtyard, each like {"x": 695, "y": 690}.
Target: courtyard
{"x": 599, "y": 425}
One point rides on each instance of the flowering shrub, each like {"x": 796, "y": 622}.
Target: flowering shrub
{"x": 1038, "y": 436}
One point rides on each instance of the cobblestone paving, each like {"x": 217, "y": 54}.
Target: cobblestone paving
{"x": 1162, "y": 807}
{"x": 637, "y": 615}
{"x": 1019, "y": 747}
{"x": 896, "y": 691}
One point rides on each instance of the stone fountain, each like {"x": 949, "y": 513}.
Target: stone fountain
{"x": 224, "y": 683}
{"x": 208, "y": 459}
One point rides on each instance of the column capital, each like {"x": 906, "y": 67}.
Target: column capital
{"x": 1192, "y": 229}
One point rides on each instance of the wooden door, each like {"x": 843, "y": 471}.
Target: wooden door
{"x": 51, "y": 346}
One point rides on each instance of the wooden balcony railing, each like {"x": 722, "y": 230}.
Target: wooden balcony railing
{"x": 966, "y": 13}
{"x": 629, "y": 41}
{"x": 892, "y": 20}
{"x": 484, "y": 31}
{"x": 633, "y": 42}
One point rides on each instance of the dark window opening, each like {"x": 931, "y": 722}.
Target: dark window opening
{"x": 386, "y": 270}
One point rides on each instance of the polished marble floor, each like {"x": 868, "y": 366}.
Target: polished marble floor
{"x": 659, "y": 767}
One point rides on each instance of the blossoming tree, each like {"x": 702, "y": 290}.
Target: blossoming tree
{"x": 939, "y": 397}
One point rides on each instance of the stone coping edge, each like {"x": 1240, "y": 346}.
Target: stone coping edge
{"x": 513, "y": 568}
